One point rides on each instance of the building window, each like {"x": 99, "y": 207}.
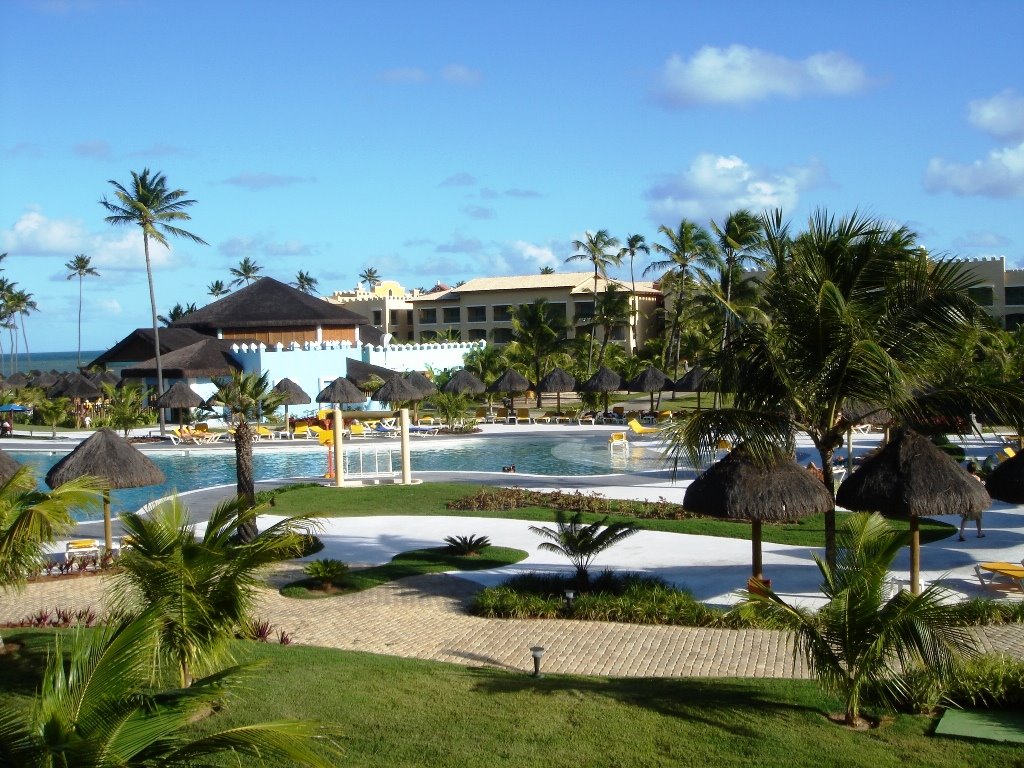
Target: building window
{"x": 983, "y": 295}
{"x": 584, "y": 310}
{"x": 453, "y": 314}
{"x": 1015, "y": 295}
{"x": 502, "y": 313}
{"x": 428, "y": 316}
{"x": 408, "y": 317}
{"x": 557, "y": 310}
{"x": 477, "y": 334}
{"x": 378, "y": 317}
{"x": 477, "y": 314}
{"x": 393, "y": 314}
{"x": 619, "y": 333}
{"x": 502, "y": 335}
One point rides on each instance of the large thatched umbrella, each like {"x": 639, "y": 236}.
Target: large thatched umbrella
{"x": 736, "y": 488}
{"x": 696, "y": 380}
{"x": 117, "y": 464}
{"x": 44, "y": 380}
{"x": 1006, "y": 481}
{"x": 511, "y": 382}
{"x": 651, "y": 380}
{"x": 16, "y": 380}
{"x": 463, "y": 382}
{"x": 341, "y": 390}
{"x": 421, "y": 384}
{"x": 557, "y": 381}
{"x": 292, "y": 394}
{"x": 180, "y": 396}
{"x": 8, "y": 467}
{"x": 605, "y": 381}
{"x": 911, "y": 477}
{"x": 397, "y": 389}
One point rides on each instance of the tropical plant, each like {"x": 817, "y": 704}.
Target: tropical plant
{"x": 246, "y": 271}
{"x": 247, "y": 397}
{"x": 600, "y": 249}
{"x": 370, "y": 276}
{"x": 53, "y": 411}
{"x": 582, "y": 543}
{"x": 487, "y": 364}
{"x": 634, "y": 244}
{"x": 611, "y": 311}
{"x": 548, "y": 270}
{"x": 538, "y": 333}
{"x": 451, "y": 407}
{"x": 97, "y": 708}
{"x": 125, "y": 406}
{"x": 177, "y": 312}
{"x": 201, "y": 589}
{"x": 326, "y": 571}
{"x": 467, "y": 545}
{"x": 217, "y": 289}
{"x": 305, "y": 282}
{"x": 17, "y": 303}
{"x": 80, "y": 267}
{"x": 861, "y": 640}
{"x": 149, "y": 205}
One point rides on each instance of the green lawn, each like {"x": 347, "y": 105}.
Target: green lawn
{"x": 398, "y": 713}
{"x": 430, "y": 499}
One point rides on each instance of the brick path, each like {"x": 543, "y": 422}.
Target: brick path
{"x": 424, "y": 617}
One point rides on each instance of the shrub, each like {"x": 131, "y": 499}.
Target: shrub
{"x": 257, "y": 629}
{"x": 467, "y": 545}
{"x": 981, "y": 612}
{"x": 327, "y": 571}
{"x": 508, "y": 603}
{"x": 990, "y": 681}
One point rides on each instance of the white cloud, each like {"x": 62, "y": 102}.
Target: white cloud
{"x": 107, "y": 306}
{"x": 739, "y": 75}
{"x": 456, "y": 74}
{"x": 1001, "y": 174}
{"x": 981, "y": 240}
{"x": 478, "y": 212}
{"x": 260, "y": 181}
{"x": 714, "y": 185}
{"x": 403, "y": 76}
{"x": 1001, "y": 115}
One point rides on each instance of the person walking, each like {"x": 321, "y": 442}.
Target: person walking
{"x": 972, "y": 470}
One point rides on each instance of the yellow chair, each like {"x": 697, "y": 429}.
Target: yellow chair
{"x": 618, "y": 440}
{"x": 81, "y": 547}
{"x": 640, "y": 429}
{"x": 357, "y": 429}
{"x": 262, "y": 432}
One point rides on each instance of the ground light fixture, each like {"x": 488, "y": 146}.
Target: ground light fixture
{"x": 570, "y": 595}
{"x": 537, "y": 652}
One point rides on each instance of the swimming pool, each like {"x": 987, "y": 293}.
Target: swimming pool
{"x": 190, "y": 469}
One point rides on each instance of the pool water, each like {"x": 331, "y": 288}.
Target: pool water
{"x": 193, "y": 469}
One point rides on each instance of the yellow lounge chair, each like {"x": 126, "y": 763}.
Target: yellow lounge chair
{"x": 357, "y": 429}
{"x": 640, "y": 429}
{"x": 81, "y": 547}
{"x": 618, "y": 440}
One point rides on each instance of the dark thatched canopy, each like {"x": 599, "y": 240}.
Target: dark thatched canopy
{"x": 208, "y": 358}
{"x": 180, "y": 395}
{"x": 360, "y": 373}
{"x": 1006, "y": 481}
{"x": 603, "y": 380}
{"x": 651, "y": 380}
{"x": 558, "y": 380}
{"x": 293, "y": 393}
{"x": 736, "y": 488}
{"x": 911, "y": 477}
{"x": 510, "y": 381}
{"x": 860, "y": 412}
{"x": 694, "y": 380}
{"x": 421, "y": 383}
{"x": 341, "y": 390}
{"x": 75, "y": 386}
{"x": 105, "y": 377}
{"x": 138, "y": 345}
{"x": 8, "y": 467}
{"x": 15, "y": 380}
{"x": 463, "y": 382}
{"x": 44, "y": 380}
{"x": 109, "y": 457}
{"x": 396, "y": 390}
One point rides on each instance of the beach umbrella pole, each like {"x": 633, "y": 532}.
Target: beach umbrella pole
{"x": 755, "y": 544}
{"x": 406, "y": 458}
{"x": 108, "y": 534}
{"x": 915, "y": 556}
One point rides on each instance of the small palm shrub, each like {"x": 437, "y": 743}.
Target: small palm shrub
{"x": 327, "y": 571}
{"x": 467, "y": 545}
{"x": 580, "y": 543}
{"x": 991, "y": 681}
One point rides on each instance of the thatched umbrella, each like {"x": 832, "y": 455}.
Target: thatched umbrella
{"x": 911, "y": 477}
{"x": 44, "y": 380}
{"x": 76, "y": 387}
{"x": 511, "y": 382}
{"x": 341, "y": 390}
{"x": 180, "y": 396}
{"x": 8, "y": 467}
{"x": 696, "y": 380}
{"x": 557, "y": 381}
{"x": 397, "y": 389}
{"x": 16, "y": 380}
{"x": 421, "y": 384}
{"x": 736, "y": 488}
{"x": 292, "y": 394}
{"x": 463, "y": 382}
{"x": 1006, "y": 481}
{"x": 105, "y": 377}
{"x": 651, "y": 380}
{"x": 604, "y": 380}
{"x": 117, "y": 464}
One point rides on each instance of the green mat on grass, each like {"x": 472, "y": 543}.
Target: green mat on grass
{"x": 990, "y": 724}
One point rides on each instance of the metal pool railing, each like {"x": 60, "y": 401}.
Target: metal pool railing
{"x": 371, "y": 462}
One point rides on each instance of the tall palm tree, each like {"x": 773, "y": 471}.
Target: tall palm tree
{"x": 600, "y": 249}
{"x": 582, "y": 543}
{"x": 177, "y": 312}
{"x": 861, "y": 641}
{"x": 80, "y": 266}
{"x": 246, "y": 271}
{"x": 611, "y": 311}
{"x": 204, "y": 588}
{"x": 97, "y": 707}
{"x": 19, "y": 304}
{"x": 151, "y": 206}
{"x": 217, "y": 289}
{"x": 547, "y": 270}
{"x": 538, "y": 333}
{"x": 634, "y": 244}
{"x": 305, "y": 282}
{"x": 247, "y": 397}
{"x": 370, "y": 276}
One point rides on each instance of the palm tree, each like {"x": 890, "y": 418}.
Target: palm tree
{"x": 53, "y": 411}
{"x": 177, "y": 312}
{"x": 611, "y": 311}
{"x": 80, "y": 266}
{"x": 246, "y": 271}
{"x": 201, "y": 589}
{"x": 861, "y": 641}
{"x": 217, "y": 289}
{"x": 487, "y": 364}
{"x": 149, "y": 205}
{"x": 634, "y": 244}
{"x": 370, "y": 276}
{"x": 20, "y": 303}
{"x": 582, "y": 543}
{"x": 125, "y": 406}
{"x": 538, "y": 333}
{"x": 305, "y": 282}
{"x": 247, "y": 397}
{"x": 547, "y": 270}
{"x": 97, "y": 708}
{"x": 600, "y": 249}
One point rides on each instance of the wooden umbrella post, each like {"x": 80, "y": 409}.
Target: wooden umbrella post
{"x": 108, "y": 533}
{"x": 755, "y": 543}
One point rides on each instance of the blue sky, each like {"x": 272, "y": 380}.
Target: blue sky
{"x": 438, "y": 141}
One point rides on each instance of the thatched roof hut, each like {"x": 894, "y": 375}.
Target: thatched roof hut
{"x": 463, "y": 382}
{"x": 292, "y": 392}
{"x": 360, "y": 373}
{"x": 396, "y": 390}
{"x": 604, "y": 380}
{"x": 208, "y": 358}
{"x": 180, "y": 395}
{"x": 16, "y": 380}
{"x": 912, "y": 478}
{"x": 511, "y": 381}
{"x": 736, "y": 488}
{"x": 340, "y": 391}
{"x": 557, "y": 380}
{"x": 1006, "y": 481}
{"x": 650, "y": 380}
{"x": 421, "y": 384}
{"x": 76, "y": 387}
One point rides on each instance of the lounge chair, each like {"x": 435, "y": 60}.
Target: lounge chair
{"x": 550, "y": 417}
{"x": 484, "y": 415}
{"x": 640, "y": 429}
{"x": 617, "y": 440}
{"x": 588, "y": 417}
{"x": 425, "y": 421}
{"x": 383, "y": 430}
{"x": 81, "y": 547}
{"x": 522, "y": 414}
{"x": 423, "y": 430}
{"x": 994, "y": 581}
{"x": 357, "y": 429}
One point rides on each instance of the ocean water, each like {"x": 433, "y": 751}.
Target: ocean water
{"x": 45, "y": 361}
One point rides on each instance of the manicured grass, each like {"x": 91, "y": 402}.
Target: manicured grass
{"x": 400, "y": 713}
{"x": 430, "y": 499}
{"x": 413, "y": 563}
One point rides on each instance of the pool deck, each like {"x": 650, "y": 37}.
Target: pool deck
{"x": 426, "y": 618}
